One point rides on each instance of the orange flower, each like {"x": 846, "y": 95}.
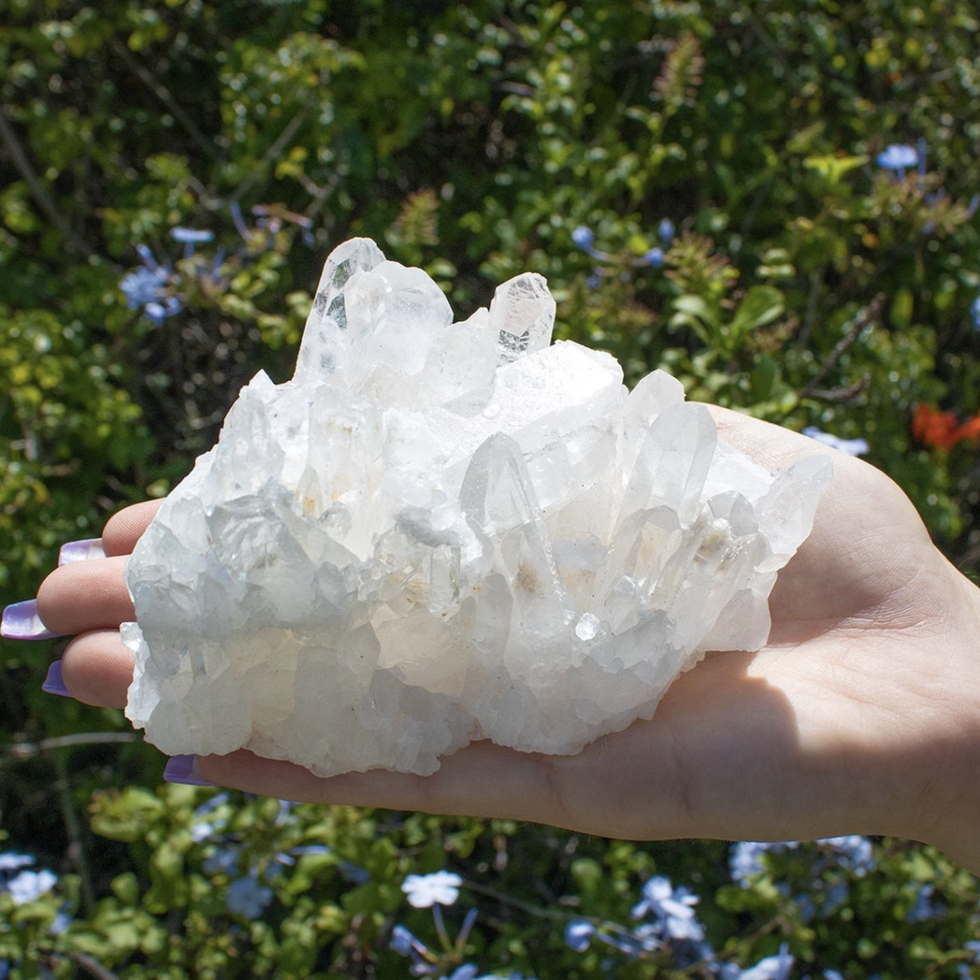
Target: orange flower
{"x": 941, "y": 429}
{"x": 933, "y": 428}
{"x": 970, "y": 429}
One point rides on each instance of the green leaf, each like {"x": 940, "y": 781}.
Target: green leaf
{"x": 761, "y": 305}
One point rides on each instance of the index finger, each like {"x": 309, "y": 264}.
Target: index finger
{"x": 124, "y": 529}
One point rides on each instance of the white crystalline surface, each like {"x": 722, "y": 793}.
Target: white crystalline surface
{"x": 438, "y": 532}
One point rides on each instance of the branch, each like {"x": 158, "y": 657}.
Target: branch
{"x": 91, "y": 965}
{"x": 38, "y": 190}
{"x": 870, "y": 313}
{"x": 273, "y": 152}
{"x": 163, "y": 94}
{"x": 29, "y": 750}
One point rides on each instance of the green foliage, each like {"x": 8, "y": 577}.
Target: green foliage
{"x": 804, "y": 284}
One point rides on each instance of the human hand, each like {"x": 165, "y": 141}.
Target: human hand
{"x": 861, "y": 714}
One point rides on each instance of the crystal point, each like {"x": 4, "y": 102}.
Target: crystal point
{"x": 438, "y": 532}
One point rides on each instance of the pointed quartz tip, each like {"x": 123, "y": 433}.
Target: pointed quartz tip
{"x": 522, "y": 315}
{"x": 324, "y": 341}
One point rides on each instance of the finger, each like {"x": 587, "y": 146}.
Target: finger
{"x": 86, "y": 595}
{"x": 97, "y": 669}
{"x": 124, "y": 529}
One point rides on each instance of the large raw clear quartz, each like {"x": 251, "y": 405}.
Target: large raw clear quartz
{"x": 438, "y": 532}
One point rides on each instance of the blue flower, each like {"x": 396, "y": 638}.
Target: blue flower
{"x": 403, "y": 942}
{"x": 854, "y": 851}
{"x": 465, "y": 972}
{"x": 190, "y": 236}
{"x": 147, "y": 288}
{"x": 578, "y": 935}
{"x": 12, "y": 861}
{"x": 898, "y": 157}
{"x": 143, "y": 286}
{"x": 61, "y": 923}
{"x": 927, "y": 906}
{"x": 771, "y": 968}
{"x": 672, "y": 908}
{"x": 310, "y": 849}
{"x": 975, "y": 312}
{"x": 29, "y": 886}
{"x": 424, "y": 891}
{"x": 246, "y": 897}
{"x": 654, "y": 257}
{"x": 224, "y": 859}
{"x": 583, "y": 237}
{"x": 745, "y": 859}
{"x": 851, "y": 447}
{"x": 665, "y": 232}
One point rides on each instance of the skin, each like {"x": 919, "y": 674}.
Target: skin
{"x": 861, "y": 715}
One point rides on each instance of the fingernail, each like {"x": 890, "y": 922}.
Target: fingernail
{"x": 53, "y": 684}
{"x": 80, "y": 551}
{"x": 21, "y": 622}
{"x": 183, "y": 769}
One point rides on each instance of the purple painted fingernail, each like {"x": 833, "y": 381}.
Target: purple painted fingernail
{"x": 183, "y": 769}
{"x": 80, "y": 551}
{"x": 53, "y": 683}
{"x": 21, "y": 622}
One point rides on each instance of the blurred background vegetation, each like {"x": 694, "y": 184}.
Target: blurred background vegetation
{"x": 773, "y": 200}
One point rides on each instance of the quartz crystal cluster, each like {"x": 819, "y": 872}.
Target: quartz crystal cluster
{"x": 438, "y": 532}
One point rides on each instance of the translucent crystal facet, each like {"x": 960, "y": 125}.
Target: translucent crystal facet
{"x": 438, "y": 532}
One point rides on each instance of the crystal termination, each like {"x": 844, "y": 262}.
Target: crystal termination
{"x": 439, "y": 532}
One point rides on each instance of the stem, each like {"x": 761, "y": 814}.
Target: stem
{"x": 77, "y": 846}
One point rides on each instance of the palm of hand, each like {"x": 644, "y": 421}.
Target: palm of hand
{"x": 858, "y": 706}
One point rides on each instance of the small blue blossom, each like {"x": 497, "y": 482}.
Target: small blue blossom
{"x": 61, "y": 923}
{"x": 583, "y": 237}
{"x": 771, "y": 968}
{"x": 963, "y": 969}
{"x": 12, "y": 861}
{"x": 654, "y": 257}
{"x": 142, "y": 286}
{"x": 850, "y": 447}
{"x": 148, "y": 287}
{"x": 465, "y": 972}
{"x": 28, "y": 886}
{"x": 578, "y": 935}
{"x": 204, "y": 824}
{"x": 223, "y": 860}
{"x": 665, "y": 232}
{"x": 927, "y": 906}
{"x": 191, "y": 236}
{"x": 975, "y": 312}
{"x": 403, "y": 942}
{"x": 854, "y": 852}
{"x": 745, "y": 859}
{"x": 310, "y": 849}
{"x": 835, "y": 898}
{"x": 898, "y": 157}
{"x": 424, "y": 891}
{"x": 247, "y": 898}
{"x": 832, "y": 975}
{"x": 672, "y": 910}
